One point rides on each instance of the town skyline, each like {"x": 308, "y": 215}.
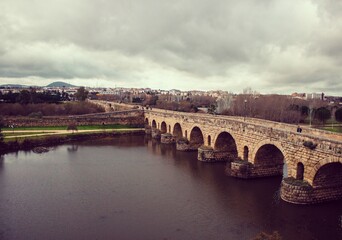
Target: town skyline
{"x": 248, "y": 89}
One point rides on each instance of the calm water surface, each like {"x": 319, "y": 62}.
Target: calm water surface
{"x": 134, "y": 188}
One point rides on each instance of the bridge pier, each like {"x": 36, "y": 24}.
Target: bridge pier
{"x": 182, "y": 144}
{"x": 208, "y": 154}
{"x": 167, "y": 138}
{"x": 155, "y": 133}
{"x": 148, "y": 130}
{"x": 301, "y": 192}
{"x": 244, "y": 169}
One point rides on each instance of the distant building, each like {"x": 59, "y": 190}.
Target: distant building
{"x": 310, "y": 96}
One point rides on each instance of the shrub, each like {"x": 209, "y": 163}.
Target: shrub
{"x": 2, "y": 124}
{"x": 265, "y": 236}
{"x": 72, "y": 127}
{"x": 241, "y": 161}
{"x": 49, "y": 109}
{"x": 183, "y": 140}
{"x": 206, "y": 147}
{"x": 28, "y": 144}
{"x": 310, "y": 145}
{"x": 13, "y": 145}
{"x": 36, "y": 115}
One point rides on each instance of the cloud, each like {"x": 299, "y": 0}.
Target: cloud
{"x": 272, "y": 46}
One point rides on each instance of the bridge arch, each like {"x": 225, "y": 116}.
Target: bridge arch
{"x": 163, "y": 127}
{"x": 328, "y": 175}
{"x": 177, "y": 131}
{"x": 226, "y": 143}
{"x": 271, "y": 158}
{"x": 268, "y": 154}
{"x": 196, "y": 137}
{"x": 154, "y": 124}
{"x": 313, "y": 171}
{"x": 146, "y": 122}
{"x": 259, "y": 145}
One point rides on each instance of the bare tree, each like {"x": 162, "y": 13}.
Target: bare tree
{"x": 271, "y": 107}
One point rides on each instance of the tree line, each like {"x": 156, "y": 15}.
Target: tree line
{"x": 49, "y": 109}
{"x": 282, "y": 108}
{"x": 32, "y": 96}
{"x": 279, "y": 108}
{"x": 29, "y": 102}
{"x": 176, "y": 103}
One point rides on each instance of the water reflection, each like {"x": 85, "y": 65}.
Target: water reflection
{"x": 73, "y": 148}
{"x": 133, "y": 187}
{"x": 2, "y": 159}
{"x": 257, "y": 200}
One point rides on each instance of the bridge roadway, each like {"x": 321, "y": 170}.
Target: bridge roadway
{"x": 259, "y": 148}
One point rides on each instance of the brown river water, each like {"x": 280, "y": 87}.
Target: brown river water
{"x": 132, "y": 187}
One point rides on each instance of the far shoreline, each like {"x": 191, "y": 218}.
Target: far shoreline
{"x": 29, "y": 144}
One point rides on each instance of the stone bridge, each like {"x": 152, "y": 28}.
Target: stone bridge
{"x": 310, "y": 162}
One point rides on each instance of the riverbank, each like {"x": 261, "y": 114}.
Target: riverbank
{"x": 52, "y": 140}
{"x": 23, "y": 134}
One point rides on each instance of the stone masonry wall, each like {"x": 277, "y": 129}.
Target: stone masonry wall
{"x": 243, "y": 169}
{"x": 134, "y": 118}
{"x": 167, "y": 138}
{"x": 307, "y": 194}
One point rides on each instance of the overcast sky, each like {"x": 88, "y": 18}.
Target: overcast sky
{"x": 272, "y": 46}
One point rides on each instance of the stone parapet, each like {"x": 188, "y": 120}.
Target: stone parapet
{"x": 132, "y": 117}
{"x": 300, "y": 192}
{"x": 249, "y": 122}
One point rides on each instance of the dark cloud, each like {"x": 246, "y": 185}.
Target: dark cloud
{"x": 272, "y": 45}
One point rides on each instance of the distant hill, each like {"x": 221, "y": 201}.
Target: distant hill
{"x": 60, "y": 84}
